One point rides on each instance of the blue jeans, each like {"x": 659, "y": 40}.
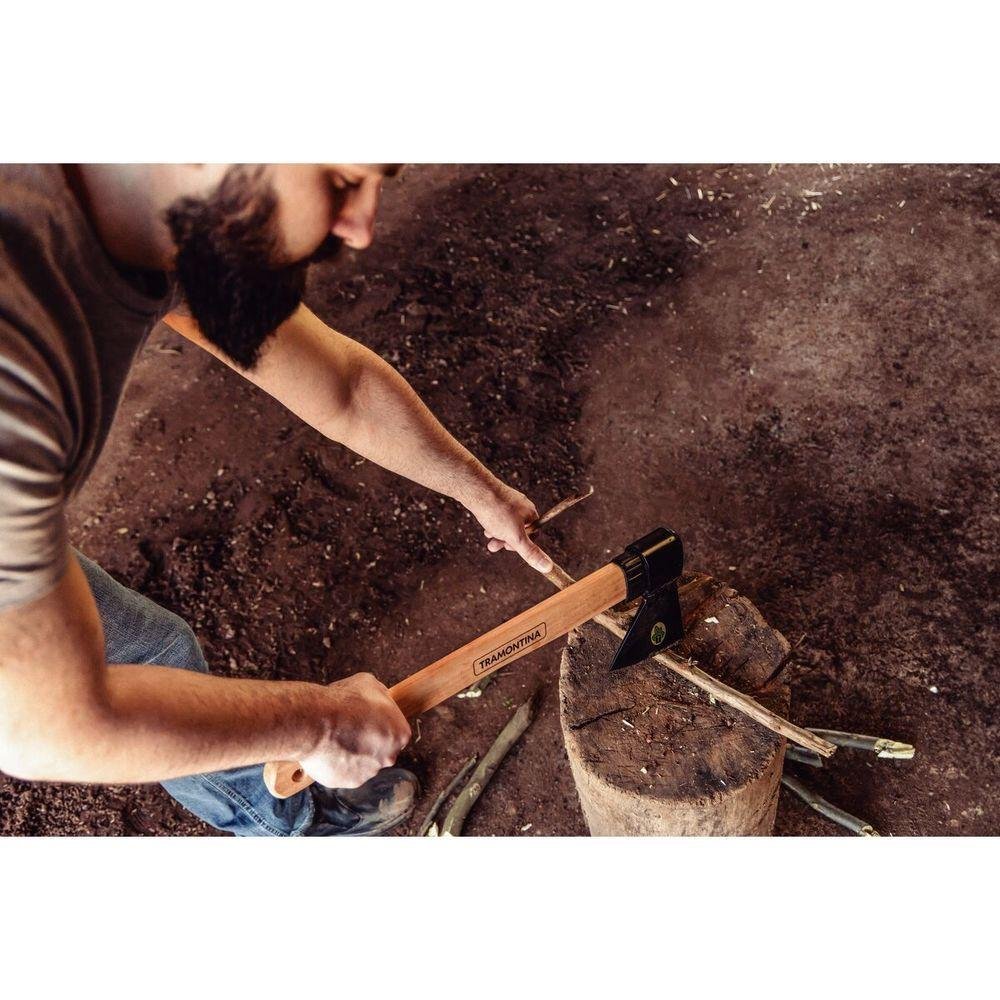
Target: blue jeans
{"x": 136, "y": 630}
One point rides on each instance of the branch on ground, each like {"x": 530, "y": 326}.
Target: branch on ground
{"x": 879, "y": 745}
{"x": 815, "y": 801}
{"x": 492, "y": 759}
{"x": 443, "y": 797}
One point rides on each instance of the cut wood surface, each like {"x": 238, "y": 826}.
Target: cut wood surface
{"x": 650, "y": 753}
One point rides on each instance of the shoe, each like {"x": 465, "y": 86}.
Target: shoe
{"x": 378, "y": 805}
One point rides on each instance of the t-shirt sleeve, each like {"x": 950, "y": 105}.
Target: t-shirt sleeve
{"x": 33, "y": 457}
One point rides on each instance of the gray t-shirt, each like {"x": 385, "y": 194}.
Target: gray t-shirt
{"x": 71, "y": 324}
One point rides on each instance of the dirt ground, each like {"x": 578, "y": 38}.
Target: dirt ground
{"x": 794, "y": 367}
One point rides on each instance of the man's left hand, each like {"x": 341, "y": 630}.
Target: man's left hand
{"x": 504, "y": 519}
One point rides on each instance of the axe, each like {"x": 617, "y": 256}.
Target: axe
{"x": 649, "y": 569}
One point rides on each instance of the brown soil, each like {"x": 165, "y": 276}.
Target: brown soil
{"x": 801, "y": 392}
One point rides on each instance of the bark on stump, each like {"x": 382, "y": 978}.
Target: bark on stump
{"x": 650, "y": 754}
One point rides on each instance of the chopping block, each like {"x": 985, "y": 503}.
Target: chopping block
{"x": 653, "y": 755}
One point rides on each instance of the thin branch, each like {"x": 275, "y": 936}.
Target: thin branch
{"x": 879, "y": 745}
{"x": 492, "y": 759}
{"x": 560, "y": 579}
{"x": 442, "y": 798}
{"x": 828, "y": 809}
{"x": 560, "y": 508}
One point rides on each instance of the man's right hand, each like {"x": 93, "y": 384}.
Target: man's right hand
{"x": 366, "y": 732}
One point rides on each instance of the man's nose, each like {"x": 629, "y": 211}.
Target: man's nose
{"x": 355, "y": 222}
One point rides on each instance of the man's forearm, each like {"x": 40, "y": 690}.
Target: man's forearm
{"x": 153, "y": 723}
{"x": 387, "y": 422}
{"x": 366, "y": 405}
{"x": 66, "y": 716}
{"x": 349, "y": 394}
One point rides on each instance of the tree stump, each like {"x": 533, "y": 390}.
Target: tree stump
{"x": 650, "y": 754}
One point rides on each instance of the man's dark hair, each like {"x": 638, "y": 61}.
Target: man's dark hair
{"x": 228, "y": 263}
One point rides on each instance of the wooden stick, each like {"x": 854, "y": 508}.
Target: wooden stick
{"x": 440, "y": 800}
{"x": 879, "y": 745}
{"x": 560, "y": 579}
{"x": 492, "y": 759}
{"x": 560, "y": 508}
{"x": 828, "y": 809}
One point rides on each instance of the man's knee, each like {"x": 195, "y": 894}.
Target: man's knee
{"x": 181, "y": 648}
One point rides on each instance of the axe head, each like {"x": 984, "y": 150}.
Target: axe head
{"x": 652, "y": 566}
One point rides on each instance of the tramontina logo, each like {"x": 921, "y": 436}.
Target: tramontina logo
{"x": 658, "y": 633}
{"x": 517, "y": 646}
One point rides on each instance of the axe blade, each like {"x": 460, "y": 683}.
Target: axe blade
{"x": 656, "y": 625}
{"x": 652, "y": 566}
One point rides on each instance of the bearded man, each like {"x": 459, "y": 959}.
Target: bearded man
{"x": 98, "y": 683}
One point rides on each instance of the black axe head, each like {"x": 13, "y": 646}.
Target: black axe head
{"x": 652, "y": 566}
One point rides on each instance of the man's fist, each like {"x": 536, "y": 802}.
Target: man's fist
{"x": 364, "y": 733}
{"x": 504, "y": 518}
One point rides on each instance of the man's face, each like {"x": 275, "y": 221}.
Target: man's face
{"x": 243, "y": 249}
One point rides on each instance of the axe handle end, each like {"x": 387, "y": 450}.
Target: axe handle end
{"x": 284, "y": 778}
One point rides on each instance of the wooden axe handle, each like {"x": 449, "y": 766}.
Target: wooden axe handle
{"x": 524, "y": 633}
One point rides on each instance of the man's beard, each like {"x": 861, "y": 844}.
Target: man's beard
{"x": 229, "y": 266}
